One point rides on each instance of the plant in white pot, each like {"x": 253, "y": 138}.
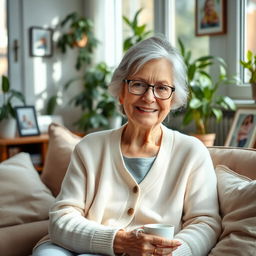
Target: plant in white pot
{"x": 250, "y": 65}
{"x": 7, "y": 111}
{"x": 204, "y": 103}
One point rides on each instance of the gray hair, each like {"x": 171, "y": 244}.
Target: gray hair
{"x": 152, "y": 48}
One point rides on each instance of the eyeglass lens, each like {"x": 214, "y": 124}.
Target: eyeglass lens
{"x": 160, "y": 91}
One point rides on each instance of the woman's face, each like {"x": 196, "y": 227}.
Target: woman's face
{"x": 146, "y": 111}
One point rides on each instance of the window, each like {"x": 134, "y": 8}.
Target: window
{"x": 248, "y": 30}
{"x": 185, "y": 29}
{"x": 250, "y": 15}
{"x": 3, "y": 39}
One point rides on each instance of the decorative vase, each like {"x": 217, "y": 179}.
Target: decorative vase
{"x": 8, "y": 128}
{"x": 208, "y": 139}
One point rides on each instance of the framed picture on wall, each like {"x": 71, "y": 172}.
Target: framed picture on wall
{"x": 210, "y": 17}
{"x": 243, "y": 129}
{"x": 27, "y": 121}
{"x": 40, "y": 42}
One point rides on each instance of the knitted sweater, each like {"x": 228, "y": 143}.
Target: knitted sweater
{"x": 99, "y": 196}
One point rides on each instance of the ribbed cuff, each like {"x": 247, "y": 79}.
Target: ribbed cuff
{"x": 183, "y": 249}
{"x": 103, "y": 240}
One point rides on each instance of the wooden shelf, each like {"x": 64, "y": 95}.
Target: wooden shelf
{"x": 35, "y": 145}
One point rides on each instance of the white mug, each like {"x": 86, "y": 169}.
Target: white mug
{"x": 163, "y": 230}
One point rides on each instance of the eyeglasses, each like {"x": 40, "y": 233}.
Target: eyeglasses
{"x": 160, "y": 91}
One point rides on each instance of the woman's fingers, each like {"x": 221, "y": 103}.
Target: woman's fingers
{"x": 143, "y": 244}
{"x": 162, "y": 242}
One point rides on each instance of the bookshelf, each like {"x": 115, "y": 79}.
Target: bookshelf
{"x": 36, "y": 146}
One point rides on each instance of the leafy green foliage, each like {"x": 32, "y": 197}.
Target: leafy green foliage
{"x": 80, "y": 28}
{"x": 97, "y": 105}
{"x": 7, "y": 108}
{"x": 203, "y": 102}
{"x": 139, "y": 33}
{"x": 250, "y": 64}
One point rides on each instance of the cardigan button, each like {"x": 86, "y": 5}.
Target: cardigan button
{"x": 135, "y": 189}
{"x": 130, "y": 211}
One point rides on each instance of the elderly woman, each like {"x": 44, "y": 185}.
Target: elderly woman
{"x": 119, "y": 180}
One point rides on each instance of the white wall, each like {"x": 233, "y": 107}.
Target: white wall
{"x": 41, "y": 77}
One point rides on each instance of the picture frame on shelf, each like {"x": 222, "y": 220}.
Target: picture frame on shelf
{"x": 210, "y": 17}
{"x": 27, "y": 121}
{"x": 243, "y": 129}
{"x": 41, "y": 44}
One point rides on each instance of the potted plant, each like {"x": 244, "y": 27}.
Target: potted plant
{"x": 96, "y": 104}
{"x": 250, "y": 65}
{"x": 139, "y": 33}
{"x": 98, "y": 108}
{"x": 203, "y": 101}
{"x": 78, "y": 33}
{"x": 7, "y": 111}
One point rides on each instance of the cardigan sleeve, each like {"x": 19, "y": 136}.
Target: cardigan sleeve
{"x": 201, "y": 220}
{"x": 68, "y": 226}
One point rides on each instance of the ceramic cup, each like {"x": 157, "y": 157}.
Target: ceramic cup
{"x": 163, "y": 230}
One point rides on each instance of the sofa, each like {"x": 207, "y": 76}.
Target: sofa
{"x": 25, "y": 196}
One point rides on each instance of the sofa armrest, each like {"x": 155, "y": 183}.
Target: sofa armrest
{"x": 19, "y": 240}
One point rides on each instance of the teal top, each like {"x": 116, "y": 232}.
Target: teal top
{"x": 139, "y": 167}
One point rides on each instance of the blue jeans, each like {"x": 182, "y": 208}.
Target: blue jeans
{"x": 48, "y": 248}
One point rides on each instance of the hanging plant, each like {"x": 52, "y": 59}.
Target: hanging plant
{"x": 79, "y": 34}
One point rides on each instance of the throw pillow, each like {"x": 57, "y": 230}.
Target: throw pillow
{"x": 61, "y": 145}
{"x": 23, "y": 196}
{"x": 237, "y": 197}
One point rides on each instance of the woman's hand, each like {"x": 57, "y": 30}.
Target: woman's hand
{"x": 143, "y": 244}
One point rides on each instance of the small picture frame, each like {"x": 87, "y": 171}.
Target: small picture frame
{"x": 211, "y": 16}
{"x": 243, "y": 129}
{"x": 27, "y": 121}
{"x": 40, "y": 42}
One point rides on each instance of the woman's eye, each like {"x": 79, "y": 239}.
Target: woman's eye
{"x": 138, "y": 84}
{"x": 162, "y": 88}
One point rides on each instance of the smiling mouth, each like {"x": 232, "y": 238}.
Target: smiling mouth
{"x": 147, "y": 110}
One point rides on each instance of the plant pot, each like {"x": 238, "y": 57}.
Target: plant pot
{"x": 8, "y": 128}
{"x": 253, "y": 86}
{"x": 208, "y": 139}
{"x": 82, "y": 42}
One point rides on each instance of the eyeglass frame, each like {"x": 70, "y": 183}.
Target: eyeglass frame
{"x": 149, "y": 86}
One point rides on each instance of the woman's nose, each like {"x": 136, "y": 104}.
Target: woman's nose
{"x": 149, "y": 95}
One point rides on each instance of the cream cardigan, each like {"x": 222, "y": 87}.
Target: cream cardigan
{"x": 99, "y": 196}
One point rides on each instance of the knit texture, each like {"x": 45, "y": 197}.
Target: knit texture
{"x": 98, "y": 198}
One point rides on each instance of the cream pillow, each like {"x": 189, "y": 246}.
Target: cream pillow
{"x": 237, "y": 197}
{"x": 23, "y": 196}
{"x": 61, "y": 145}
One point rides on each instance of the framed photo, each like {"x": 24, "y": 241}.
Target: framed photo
{"x": 40, "y": 42}
{"x": 27, "y": 121}
{"x": 243, "y": 129}
{"x": 211, "y": 16}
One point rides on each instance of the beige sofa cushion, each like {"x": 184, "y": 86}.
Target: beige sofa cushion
{"x": 61, "y": 145}
{"x": 19, "y": 240}
{"x": 23, "y": 196}
{"x": 237, "y": 197}
{"x": 234, "y": 158}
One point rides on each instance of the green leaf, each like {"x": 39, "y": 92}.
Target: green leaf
{"x": 182, "y": 48}
{"x": 188, "y": 117}
{"x": 249, "y": 55}
{"x": 51, "y": 105}
{"x": 218, "y": 114}
{"x": 229, "y": 102}
{"x": 5, "y": 84}
{"x": 195, "y": 103}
